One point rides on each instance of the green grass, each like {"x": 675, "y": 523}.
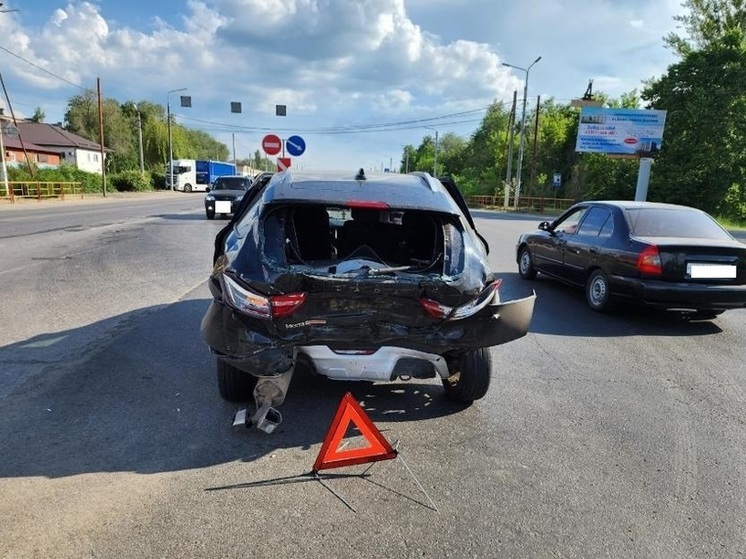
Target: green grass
{"x": 731, "y": 223}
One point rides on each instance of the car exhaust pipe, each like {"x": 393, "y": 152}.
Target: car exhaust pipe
{"x": 269, "y": 392}
{"x": 266, "y": 418}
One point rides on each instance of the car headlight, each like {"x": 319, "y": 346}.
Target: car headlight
{"x": 210, "y": 198}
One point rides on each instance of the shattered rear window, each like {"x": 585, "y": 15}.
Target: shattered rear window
{"x": 339, "y": 239}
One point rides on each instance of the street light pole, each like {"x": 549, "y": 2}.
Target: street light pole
{"x": 519, "y": 170}
{"x": 435, "y": 157}
{"x": 170, "y": 163}
{"x": 4, "y": 167}
{"x": 139, "y": 138}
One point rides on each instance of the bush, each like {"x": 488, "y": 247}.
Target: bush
{"x": 158, "y": 179}
{"x": 90, "y": 182}
{"x": 131, "y": 181}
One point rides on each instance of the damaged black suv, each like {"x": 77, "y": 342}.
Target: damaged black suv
{"x": 361, "y": 278}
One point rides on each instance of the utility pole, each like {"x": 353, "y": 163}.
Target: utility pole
{"x": 523, "y": 128}
{"x": 511, "y": 133}
{"x": 101, "y": 137}
{"x": 2, "y": 152}
{"x": 139, "y": 139}
{"x": 532, "y": 179}
{"x": 170, "y": 143}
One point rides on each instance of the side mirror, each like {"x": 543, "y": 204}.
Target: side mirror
{"x": 544, "y": 226}
{"x": 208, "y": 188}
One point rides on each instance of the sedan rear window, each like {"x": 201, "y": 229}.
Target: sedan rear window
{"x": 674, "y": 222}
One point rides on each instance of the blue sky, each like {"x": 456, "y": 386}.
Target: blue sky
{"x": 360, "y": 78}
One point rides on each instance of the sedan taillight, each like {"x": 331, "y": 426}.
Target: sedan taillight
{"x": 649, "y": 262}
{"x": 438, "y": 310}
{"x": 259, "y": 306}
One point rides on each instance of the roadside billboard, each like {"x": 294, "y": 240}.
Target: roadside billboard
{"x": 620, "y": 131}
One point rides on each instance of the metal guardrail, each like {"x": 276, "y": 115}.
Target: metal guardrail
{"x": 40, "y": 190}
{"x": 540, "y": 204}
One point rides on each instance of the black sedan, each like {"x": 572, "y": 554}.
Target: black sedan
{"x": 662, "y": 255}
{"x": 225, "y": 194}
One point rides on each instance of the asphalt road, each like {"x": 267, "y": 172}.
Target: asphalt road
{"x": 601, "y": 436}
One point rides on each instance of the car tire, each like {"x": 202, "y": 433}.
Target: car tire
{"x": 526, "y": 264}
{"x": 187, "y": 188}
{"x": 210, "y": 214}
{"x": 470, "y": 376}
{"x": 234, "y": 384}
{"x": 598, "y": 291}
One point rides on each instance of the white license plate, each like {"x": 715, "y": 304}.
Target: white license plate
{"x": 710, "y": 271}
{"x": 222, "y": 207}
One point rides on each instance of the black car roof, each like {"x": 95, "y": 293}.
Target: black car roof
{"x": 411, "y": 190}
{"x": 636, "y": 205}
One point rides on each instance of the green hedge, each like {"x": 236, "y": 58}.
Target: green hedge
{"x": 131, "y": 181}
{"x": 126, "y": 181}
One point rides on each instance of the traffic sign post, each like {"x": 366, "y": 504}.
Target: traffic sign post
{"x": 283, "y": 164}
{"x": 295, "y": 146}
{"x": 271, "y": 144}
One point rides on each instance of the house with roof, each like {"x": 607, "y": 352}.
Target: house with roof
{"x": 51, "y": 145}
{"x": 16, "y": 153}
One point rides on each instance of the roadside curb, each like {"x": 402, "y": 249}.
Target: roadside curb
{"x": 113, "y": 197}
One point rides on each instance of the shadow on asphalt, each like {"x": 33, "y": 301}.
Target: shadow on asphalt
{"x": 143, "y": 397}
{"x": 561, "y": 310}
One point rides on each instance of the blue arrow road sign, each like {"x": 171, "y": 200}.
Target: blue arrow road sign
{"x": 295, "y": 145}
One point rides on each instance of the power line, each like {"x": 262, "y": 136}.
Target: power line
{"x": 442, "y": 120}
{"x": 42, "y": 69}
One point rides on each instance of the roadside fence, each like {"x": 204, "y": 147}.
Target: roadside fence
{"x": 40, "y": 190}
{"x": 529, "y": 204}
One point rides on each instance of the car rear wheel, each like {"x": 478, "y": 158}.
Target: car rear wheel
{"x": 526, "y": 264}
{"x": 598, "y": 291}
{"x": 470, "y": 376}
{"x": 234, "y": 384}
{"x": 210, "y": 214}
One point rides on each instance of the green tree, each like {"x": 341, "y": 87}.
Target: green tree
{"x": 451, "y": 149}
{"x": 555, "y": 147}
{"x": 706, "y": 22}
{"x": 484, "y": 158}
{"x": 38, "y": 116}
{"x": 703, "y": 160}
{"x": 82, "y": 118}
{"x": 408, "y": 159}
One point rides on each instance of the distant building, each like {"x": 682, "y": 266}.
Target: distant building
{"x": 49, "y": 145}
{"x": 40, "y": 156}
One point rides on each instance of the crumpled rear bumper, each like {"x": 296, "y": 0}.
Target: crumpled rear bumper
{"x": 263, "y": 348}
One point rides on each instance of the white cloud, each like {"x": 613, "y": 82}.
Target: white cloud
{"x": 337, "y": 62}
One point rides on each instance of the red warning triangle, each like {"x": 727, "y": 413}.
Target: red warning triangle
{"x": 330, "y": 456}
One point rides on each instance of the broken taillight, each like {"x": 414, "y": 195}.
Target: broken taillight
{"x": 649, "y": 262}
{"x": 259, "y": 306}
{"x": 439, "y": 310}
{"x": 283, "y": 305}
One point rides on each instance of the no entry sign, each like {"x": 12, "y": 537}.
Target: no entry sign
{"x": 271, "y": 144}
